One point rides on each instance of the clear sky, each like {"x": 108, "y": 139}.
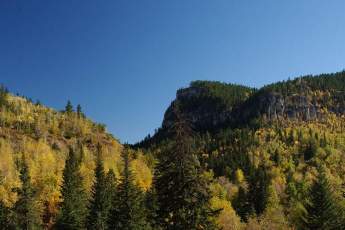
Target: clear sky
{"x": 123, "y": 60}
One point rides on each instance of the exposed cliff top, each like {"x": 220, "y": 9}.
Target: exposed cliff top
{"x": 209, "y": 106}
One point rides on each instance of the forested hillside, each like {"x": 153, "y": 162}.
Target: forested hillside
{"x": 226, "y": 157}
{"x": 278, "y": 157}
{"x": 35, "y": 142}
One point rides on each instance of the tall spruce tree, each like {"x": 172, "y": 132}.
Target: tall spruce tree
{"x": 258, "y": 189}
{"x": 110, "y": 181}
{"x": 100, "y": 202}
{"x": 74, "y": 206}
{"x": 322, "y": 208}
{"x": 128, "y": 211}
{"x": 242, "y": 204}
{"x": 27, "y": 216}
{"x": 182, "y": 192}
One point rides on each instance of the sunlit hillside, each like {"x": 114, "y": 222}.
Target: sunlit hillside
{"x": 42, "y": 137}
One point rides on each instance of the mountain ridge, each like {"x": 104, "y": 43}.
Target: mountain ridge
{"x": 205, "y": 103}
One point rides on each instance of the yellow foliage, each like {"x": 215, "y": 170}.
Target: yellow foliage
{"x": 142, "y": 173}
{"x": 239, "y": 176}
{"x": 112, "y": 158}
{"x": 87, "y": 167}
{"x": 227, "y": 219}
{"x": 8, "y": 174}
{"x": 45, "y": 167}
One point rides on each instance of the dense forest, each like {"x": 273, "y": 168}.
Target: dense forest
{"x": 226, "y": 157}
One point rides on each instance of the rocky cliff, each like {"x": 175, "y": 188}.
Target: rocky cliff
{"x": 207, "y": 105}
{"x": 210, "y": 106}
{"x": 305, "y": 98}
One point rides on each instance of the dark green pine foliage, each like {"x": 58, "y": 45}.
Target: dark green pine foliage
{"x": 182, "y": 192}
{"x": 25, "y": 209}
{"x": 80, "y": 113}
{"x": 100, "y": 202}
{"x": 322, "y": 208}
{"x": 254, "y": 201}
{"x": 69, "y": 107}
{"x": 242, "y": 205}
{"x": 310, "y": 149}
{"x": 259, "y": 182}
{"x": 152, "y": 207}
{"x": 3, "y": 96}
{"x": 276, "y": 157}
{"x": 128, "y": 212}
{"x": 5, "y": 217}
{"x": 110, "y": 181}
{"x": 74, "y": 206}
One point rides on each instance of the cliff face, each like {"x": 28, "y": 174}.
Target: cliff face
{"x": 206, "y": 107}
{"x": 211, "y": 106}
{"x": 207, "y": 111}
{"x": 199, "y": 109}
{"x": 275, "y": 106}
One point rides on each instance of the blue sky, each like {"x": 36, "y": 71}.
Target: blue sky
{"x": 123, "y": 60}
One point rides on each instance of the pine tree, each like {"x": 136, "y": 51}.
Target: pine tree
{"x": 322, "y": 209}
{"x": 152, "y": 207}
{"x": 5, "y": 222}
{"x": 25, "y": 209}
{"x": 110, "y": 181}
{"x": 262, "y": 190}
{"x": 128, "y": 212}
{"x": 291, "y": 138}
{"x": 182, "y": 192}
{"x": 276, "y": 157}
{"x": 69, "y": 107}
{"x": 310, "y": 150}
{"x": 111, "y": 191}
{"x": 3, "y": 96}
{"x": 258, "y": 189}
{"x": 100, "y": 202}
{"x": 74, "y": 205}
{"x": 79, "y": 111}
{"x": 242, "y": 205}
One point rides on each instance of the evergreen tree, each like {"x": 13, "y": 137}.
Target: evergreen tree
{"x": 241, "y": 204}
{"x": 152, "y": 207}
{"x": 5, "y": 221}
{"x": 25, "y": 209}
{"x": 258, "y": 189}
{"x": 322, "y": 209}
{"x": 276, "y": 157}
{"x": 182, "y": 192}
{"x": 69, "y": 107}
{"x": 74, "y": 205}
{"x": 310, "y": 150}
{"x": 128, "y": 212}
{"x": 100, "y": 202}
{"x": 291, "y": 138}
{"x": 3, "y": 96}
{"x": 38, "y": 103}
{"x": 79, "y": 111}
{"x": 254, "y": 201}
{"x": 110, "y": 181}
